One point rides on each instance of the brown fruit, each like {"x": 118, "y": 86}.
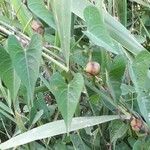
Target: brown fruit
{"x": 136, "y": 124}
{"x": 93, "y": 68}
{"x": 37, "y": 27}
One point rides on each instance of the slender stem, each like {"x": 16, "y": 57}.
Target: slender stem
{"x": 55, "y": 61}
{"x": 51, "y": 53}
{"x": 20, "y": 34}
{"x": 54, "y": 47}
{"x": 27, "y": 38}
{"x": 3, "y": 30}
{"x": 77, "y": 41}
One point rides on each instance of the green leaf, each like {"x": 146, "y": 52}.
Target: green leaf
{"x": 67, "y": 95}
{"x": 40, "y": 104}
{"x": 60, "y": 145}
{"x": 6, "y": 108}
{"x": 37, "y": 117}
{"x": 34, "y": 146}
{"x": 8, "y": 74}
{"x": 138, "y": 145}
{"x": 141, "y": 66}
{"x": 122, "y": 11}
{"x": 26, "y": 61}
{"x": 127, "y": 89}
{"x": 117, "y": 130}
{"x": 107, "y": 100}
{"x": 55, "y": 128}
{"x": 142, "y": 144}
{"x": 38, "y": 8}
{"x": 62, "y": 13}
{"x": 78, "y": 142}
{"x": 122, "y": 146}
{"x": 116, "y": 30}
{"x": 122, "y": 35}
{"x": 114, "y": 77}
{"x": 7, "y": 115}
{"x": 139, "y": 71}
{"x": 96, "y": 29}
{"x": 23, "y": 14}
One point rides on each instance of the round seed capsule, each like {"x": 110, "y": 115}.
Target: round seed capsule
{"x": 93, "y": 68}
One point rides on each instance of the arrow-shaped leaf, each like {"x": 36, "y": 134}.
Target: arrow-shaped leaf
{"x": 67, "y": 95}
{"x": 26, "y": 61}
{"x": 96, "y": 29}
{"x": 139, "y": 71}
{"x": 116, "y": 30}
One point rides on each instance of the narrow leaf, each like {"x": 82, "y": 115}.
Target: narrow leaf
{"x": 6, "y": 108}
{"x": 55, "y": 128}
{"x": 62, "y": 13}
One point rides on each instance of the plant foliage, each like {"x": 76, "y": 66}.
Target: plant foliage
{"x": 75, "y": 74}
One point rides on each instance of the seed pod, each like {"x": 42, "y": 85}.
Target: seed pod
{"x": 136, "y": 124}
{"x": 93, "y": 68}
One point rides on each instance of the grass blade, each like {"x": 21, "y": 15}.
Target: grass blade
{"x": 55, "y": 128}
{"x": 62, "y": 14}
